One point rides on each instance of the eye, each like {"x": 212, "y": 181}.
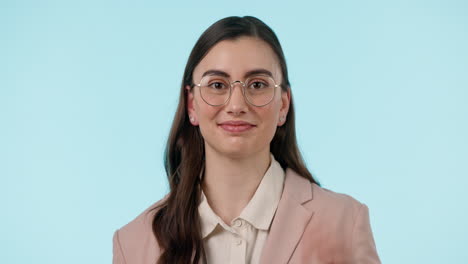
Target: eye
{"x": 256, "y": 85}
{"x": 217, "y": 85}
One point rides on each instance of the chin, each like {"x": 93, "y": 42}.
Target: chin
{"x": 238, "y": 150}
{"x": 232, "y": 149}
{"x": 236, "y": 147}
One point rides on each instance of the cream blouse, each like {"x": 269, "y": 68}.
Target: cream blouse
{"x": 242, "y": 240}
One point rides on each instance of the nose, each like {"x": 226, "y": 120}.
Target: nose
{"x": 237, "y": 104}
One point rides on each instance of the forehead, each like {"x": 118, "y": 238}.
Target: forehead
{"x": 236, "y": 57}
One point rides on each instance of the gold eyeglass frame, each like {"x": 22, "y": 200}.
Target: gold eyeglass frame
{"x": 231, "y": 87}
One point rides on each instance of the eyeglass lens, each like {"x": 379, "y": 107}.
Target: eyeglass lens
{"x": 258, "y": 90}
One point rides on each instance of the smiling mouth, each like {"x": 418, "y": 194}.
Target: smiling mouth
{"x": 236, "y": 128}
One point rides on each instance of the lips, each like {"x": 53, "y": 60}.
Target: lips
{"x": 236, "y": 126}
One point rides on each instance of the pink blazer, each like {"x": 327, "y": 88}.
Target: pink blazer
{"x": 311, "y": 225}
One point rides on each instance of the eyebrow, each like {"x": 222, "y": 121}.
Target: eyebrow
{"x": 247, "y": 74}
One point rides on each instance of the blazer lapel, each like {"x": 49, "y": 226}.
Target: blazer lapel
{"x": 290, "y": 220}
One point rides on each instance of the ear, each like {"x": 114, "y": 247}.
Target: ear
{"x": 285, "y": 102}
{"x": 189, "y": 92}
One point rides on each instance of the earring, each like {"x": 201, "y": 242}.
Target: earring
{"x": 192, "y": 119}
{"x": 282, "y": 119}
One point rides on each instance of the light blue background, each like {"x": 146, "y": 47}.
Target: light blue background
{"x": 88, "y": 90}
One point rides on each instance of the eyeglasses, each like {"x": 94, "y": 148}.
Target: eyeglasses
{"x": 258, "y": 90}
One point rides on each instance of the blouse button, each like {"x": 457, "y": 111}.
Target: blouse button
{"x": 238, "y": 223}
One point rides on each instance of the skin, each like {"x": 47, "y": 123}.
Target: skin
{"x": 236, "y": 162}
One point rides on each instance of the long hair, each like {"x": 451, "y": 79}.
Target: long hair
{"x": 176, "y": 224}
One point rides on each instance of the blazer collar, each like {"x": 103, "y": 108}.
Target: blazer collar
{"x": 290, "y": 221}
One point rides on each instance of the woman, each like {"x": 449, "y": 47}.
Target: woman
{"x": 239, "y": 189}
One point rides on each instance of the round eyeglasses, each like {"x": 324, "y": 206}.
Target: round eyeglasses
{"x": 258, "y": 90}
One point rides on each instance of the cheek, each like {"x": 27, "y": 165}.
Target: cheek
{"x": 205, "y": 113}
{"x": 273, "y": 111}
{"x": 270, "y": 117}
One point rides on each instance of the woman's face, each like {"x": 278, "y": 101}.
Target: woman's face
{"x": 238, "y": 129}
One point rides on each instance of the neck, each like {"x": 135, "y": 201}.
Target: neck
{"x": 229, "y": 183}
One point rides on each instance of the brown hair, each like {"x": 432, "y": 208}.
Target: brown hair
{"x": 176, "y": 224}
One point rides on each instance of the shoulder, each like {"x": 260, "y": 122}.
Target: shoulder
{"x": 140, "y": 224}
{"x": 135, "y": 241}
{"x": 324, "y": 198}
{"x": 313, "y": 196}
{"x": 336, "y": 212}
{"x": 338, "y": 225}
{"x": 330, "y": 209}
